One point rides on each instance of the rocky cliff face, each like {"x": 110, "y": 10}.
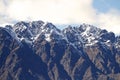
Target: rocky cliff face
{"x": 40, "y": 51}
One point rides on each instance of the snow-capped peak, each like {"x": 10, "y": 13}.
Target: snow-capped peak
{"x": 32, "y": 30}
{"x": 84, "y": 34}
{"x": 87, "y": 34}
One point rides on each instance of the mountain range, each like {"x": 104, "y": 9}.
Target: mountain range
{"x": 38, "y": 50}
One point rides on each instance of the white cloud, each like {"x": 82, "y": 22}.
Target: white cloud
{"x": 60, "y": 11}
{"x": 2, "y": 6}
{"x": 110, "y": 21}
{"x": 57, "y": 11}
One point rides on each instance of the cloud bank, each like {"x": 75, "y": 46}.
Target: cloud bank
{"x": 59, "y": 12}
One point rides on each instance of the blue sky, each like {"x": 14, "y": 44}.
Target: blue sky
{"x": 106, "y": 5}
{"x": 102, "y": 13}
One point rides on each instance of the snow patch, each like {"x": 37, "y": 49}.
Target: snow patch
{"x": 36, "y": 37}
{"x": 47, "y": 37}
{"x": 85, "y": 33}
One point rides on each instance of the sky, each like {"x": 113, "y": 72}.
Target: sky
{"x": 101, "y": 13}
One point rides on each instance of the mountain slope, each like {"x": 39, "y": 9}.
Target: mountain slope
{"x": 40, "y": 51}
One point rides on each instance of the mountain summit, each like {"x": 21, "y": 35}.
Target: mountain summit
{"x": 40, "y": 51}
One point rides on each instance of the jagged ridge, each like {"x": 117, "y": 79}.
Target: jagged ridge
{"x": 40, "y": 51}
